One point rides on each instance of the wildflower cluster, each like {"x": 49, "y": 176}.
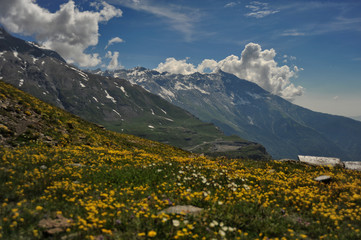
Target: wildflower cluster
{"x": 119, "y": 192}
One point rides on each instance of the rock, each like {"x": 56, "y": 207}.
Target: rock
{"x": 320, "y": 161}
{"x": 353, "y": 165}
{"x": 289, "y": 160}
{"x": 43, "y": 167}
{"x": 323, "y": 178}
{"x": 76, "y": 165}
{"x": 54, "y": 226}
{"x": 182, "y": 209}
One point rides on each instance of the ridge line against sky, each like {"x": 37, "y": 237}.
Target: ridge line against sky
{"x": 317, "y": 41}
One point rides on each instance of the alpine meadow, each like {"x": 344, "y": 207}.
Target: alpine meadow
{"x": 156, "y": 119}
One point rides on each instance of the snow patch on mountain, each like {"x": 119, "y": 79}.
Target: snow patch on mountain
{"x": 254, "y": 95}
{"x": 16, "y": 55}
{"x": 250, "y": 120}
{"x": 166, "y": 94}
{"x": 163, "y": 111}
{"x": 117, "y": 113}
{"x": 34, "y": 59}
{"x": 109, "y": 97}
{"x": 168, "y": 119}
{"x": 123, "y": 90}
{"x": 84, "y": 75}
{"x": 180, "y": 86}
{"x": 36, "y": 45}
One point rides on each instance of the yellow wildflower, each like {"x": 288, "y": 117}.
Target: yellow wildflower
{"x": 152, "y": 233}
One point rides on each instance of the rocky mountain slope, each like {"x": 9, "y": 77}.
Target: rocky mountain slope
{"x": 240, "y": 107}
{"x": 26, "y": 120}
{"x": 114, "y": 103}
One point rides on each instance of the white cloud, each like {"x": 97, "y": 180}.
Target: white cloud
{"x": 114, "y": 40}
{"x": 254, "y": 64}
{"x": 209, "y": 64}
{"x": 113, "y": 64}
{"x": 231, "y": 4}
{"x": 292, "y": 33}
{"x": 259, "y": 10}
{"x": 176, "y": 66}
{"x": 179, "y": 17}
{"x": 68, "y": 31}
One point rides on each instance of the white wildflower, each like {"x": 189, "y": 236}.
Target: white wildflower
{"x": 175, "y": 222}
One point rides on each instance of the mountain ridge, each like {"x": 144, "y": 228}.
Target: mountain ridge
{"x": 243, "y": 108}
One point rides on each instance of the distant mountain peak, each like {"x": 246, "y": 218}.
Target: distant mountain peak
{"x": 10, "y": 43}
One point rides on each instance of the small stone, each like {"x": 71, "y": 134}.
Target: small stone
{"x": 323, "y": 178}
{"x": 76, "y": 165}
{"x": 43, "y": 167}
{"x": 54, "y": 226}
{"x": 182, "y": 209}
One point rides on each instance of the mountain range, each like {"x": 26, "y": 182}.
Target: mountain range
{"x": 240, "y": 107}
{"x": 114, "y": 103}
{"x": 150, "y": 104}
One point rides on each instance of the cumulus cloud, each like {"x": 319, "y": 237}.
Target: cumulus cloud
{"x": 68, "y": 31}
{"x": 173, "y": 65}
{"x": 114, "y": 40}
{"x": 259, "y": 9}
{"x": 254, "y": 64}
{"x": 113, "y": 64}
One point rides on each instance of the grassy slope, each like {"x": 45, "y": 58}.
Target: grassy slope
{"x": 112, "y": 186}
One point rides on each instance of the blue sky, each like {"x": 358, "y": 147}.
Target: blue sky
{"x": 319, "y": 41}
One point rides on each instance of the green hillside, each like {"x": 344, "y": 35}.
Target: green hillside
{"x": 64, "y": 178}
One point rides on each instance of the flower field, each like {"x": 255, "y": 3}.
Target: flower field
{"x": 64, "y": 178}
{"x": 118, "y": 193}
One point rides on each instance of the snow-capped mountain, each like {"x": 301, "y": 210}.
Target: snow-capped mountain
{"x": 112, "y": 102}
{"x": 243, "y": 108}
